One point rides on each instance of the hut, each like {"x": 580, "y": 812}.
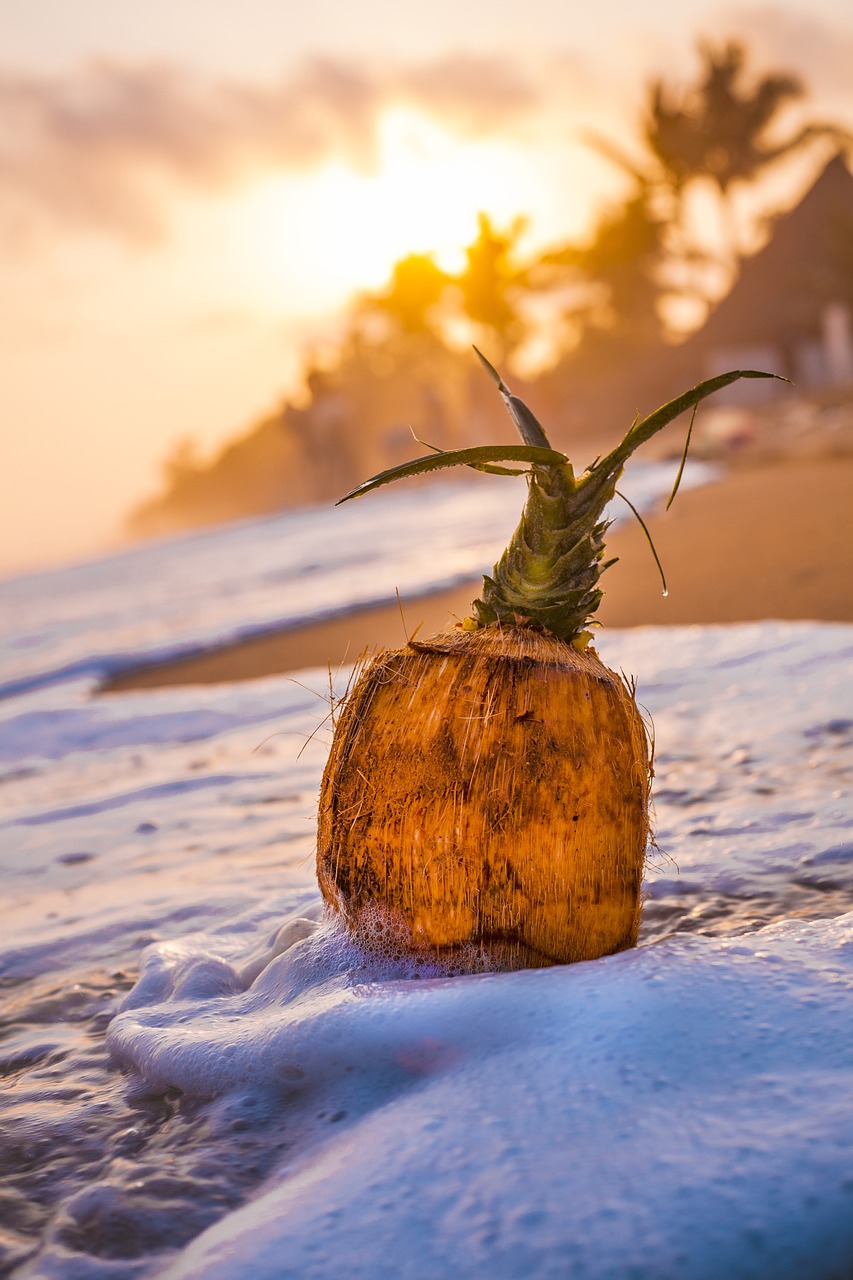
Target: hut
{"x": 791, "y": 309}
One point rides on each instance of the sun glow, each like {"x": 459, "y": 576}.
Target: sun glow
{"x": 336, "y": 230}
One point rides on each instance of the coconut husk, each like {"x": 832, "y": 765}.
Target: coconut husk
{"x": 488, "y": 792}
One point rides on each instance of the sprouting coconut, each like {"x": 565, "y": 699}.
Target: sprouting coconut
{"x": 487, "y": 790}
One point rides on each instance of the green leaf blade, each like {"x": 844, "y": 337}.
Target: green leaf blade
{"x": 648, "y": 537}
{"x": 643, "y": 430}
{"x": 661, "y": 417}
{"x": 683, "y": 463}
{"x": 525, "y": 422}
{"x": 460, "y": 458}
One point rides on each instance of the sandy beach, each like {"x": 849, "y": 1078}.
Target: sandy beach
{"x": 770, "y": 540}
{"x": 204, "y": 1079}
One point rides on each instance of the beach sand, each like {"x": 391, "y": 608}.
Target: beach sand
{"x": 773, "y": 540}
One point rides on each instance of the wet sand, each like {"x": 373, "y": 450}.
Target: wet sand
{"x": 768, "y": 541}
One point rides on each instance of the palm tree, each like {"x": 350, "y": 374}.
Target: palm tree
{"x": 491, "y": 286}
{"x": 718, "y": 129}
{"x": 409, "y": 301}
{"x": 721, "y": 130}
{"x": 618, "y": 272}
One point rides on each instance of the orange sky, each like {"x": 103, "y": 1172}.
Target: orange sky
{"x": 189, "y": 193}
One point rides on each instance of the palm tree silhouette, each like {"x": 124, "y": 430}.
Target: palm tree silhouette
{"x": 722, "y": 130}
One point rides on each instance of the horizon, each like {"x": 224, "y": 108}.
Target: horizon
{"x": 172, "y": 201}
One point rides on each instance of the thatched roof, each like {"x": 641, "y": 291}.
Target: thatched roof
{"x": 783, "y": 290}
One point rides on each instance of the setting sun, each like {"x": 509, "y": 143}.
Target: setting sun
{"x": 421, "y": 194}
{"x": 191, "y": 202}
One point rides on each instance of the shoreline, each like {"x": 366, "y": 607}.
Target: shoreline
{"x": 773, "y": 540}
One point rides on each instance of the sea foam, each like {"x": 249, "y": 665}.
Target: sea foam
{"x": 681, "y": 1109}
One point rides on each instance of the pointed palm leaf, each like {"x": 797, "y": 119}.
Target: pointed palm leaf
{"x": 485, "y": 454}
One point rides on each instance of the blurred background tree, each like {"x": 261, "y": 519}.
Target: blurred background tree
{"x": 602, "y": 312}
{"x": 720, "y": 129}
{"x": 492, "y": 286}
{"x": 617, "y": 273}
{"x": 720, "y": 133}
{"x": 408, "y": 303}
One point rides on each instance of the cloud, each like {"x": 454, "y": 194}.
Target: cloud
{"x": 476, "y": 96}
{"x": 93, "y": 149}
{"x": 783, "y": 38}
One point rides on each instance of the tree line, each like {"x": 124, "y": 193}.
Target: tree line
{"x": 611, "y": 302}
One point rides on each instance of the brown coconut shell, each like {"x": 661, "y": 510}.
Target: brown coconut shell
{"x": 488, "y": 793}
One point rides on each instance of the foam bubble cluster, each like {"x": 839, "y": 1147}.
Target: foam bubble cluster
{"x": 683, "y": 1108}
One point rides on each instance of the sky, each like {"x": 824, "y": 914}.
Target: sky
{"x": 190, "y": 193}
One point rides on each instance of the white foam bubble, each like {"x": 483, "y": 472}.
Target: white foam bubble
{"x": 684, "y": 1108}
